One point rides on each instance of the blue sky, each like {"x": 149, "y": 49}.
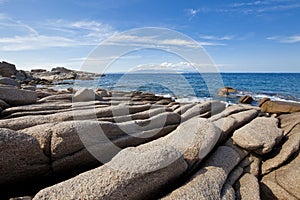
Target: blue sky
{"x": 239, "y": 36}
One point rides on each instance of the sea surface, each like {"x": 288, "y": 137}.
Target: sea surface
{"x": 193, "y": 87}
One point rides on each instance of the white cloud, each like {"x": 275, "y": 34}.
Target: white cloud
{"x": 289, "y": 39}
{"x": 172, "y": 67}
{"x": 211, "y": 37}
{"x": 28, "y": 38}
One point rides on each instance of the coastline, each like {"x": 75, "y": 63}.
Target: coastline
{"x": 99, "y": 143}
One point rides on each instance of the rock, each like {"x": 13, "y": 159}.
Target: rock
{"x": 86, "y": 114}
{"x": 283, "y": 183}
{"x": 289, "y": 121}
{"x": 279, "y": 107}
{"x": 14, "y": 96}
{"x": 8, "y": 81}
{"x": 61, "y": 70}
{"x": 20, "y": 157}
{"x": 226, "y": 91}
{"x": 134, "y": 173}
{"x": 38, "y": 70}
{"x": 86, "y": 95}
{"x": 289, "y": 147}
{"x": 246, "y": 99}
{"x": 3, "y": 104}
{"x": 262, "y": 101}
{"x": 247, "y": 188}
{"x": 7, "y": 69}
{"x": 214, "y": 107}
{"x": 260, "y": 135}
{"x": 28, "y": 87}
{"x": 208, "y": 182}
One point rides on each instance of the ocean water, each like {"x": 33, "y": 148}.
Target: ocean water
{"x": 192, "y": 87}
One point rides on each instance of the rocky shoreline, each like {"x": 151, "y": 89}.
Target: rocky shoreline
{"x": 85, "y": 144}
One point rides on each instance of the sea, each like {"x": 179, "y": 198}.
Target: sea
{"x": 196, "y": 87}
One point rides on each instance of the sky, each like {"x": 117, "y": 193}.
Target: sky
{"x": 238, "y": 36}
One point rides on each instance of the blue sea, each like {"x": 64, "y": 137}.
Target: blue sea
{"x": 193, "y": 87}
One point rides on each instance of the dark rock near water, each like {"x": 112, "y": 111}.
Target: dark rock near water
{"x": 246, "y": 99}
{"x": 278, "y": 107}
{"x": 226, "y": 91}
{"x": 8, "y": 81}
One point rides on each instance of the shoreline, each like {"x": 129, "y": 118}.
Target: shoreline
{"x": 71, "y": 143}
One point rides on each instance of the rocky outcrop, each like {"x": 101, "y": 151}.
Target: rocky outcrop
{"x": 8, "y": 81}
{"x": 283, "y": 183}
{"x": 86, "y": 95}
{"x": 15, "y": 96}
{"x": 7, "y": 69}
{"x": 278, "y": 107}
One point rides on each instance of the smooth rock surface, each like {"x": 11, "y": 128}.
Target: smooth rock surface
{"x": 247, "y": 188}
{"x": 20, "y": 157}
{"x": 14, "y": 96}
{"x": 260, "y": 135}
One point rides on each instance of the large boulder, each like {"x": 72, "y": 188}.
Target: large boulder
{"x": 20, "y": 157}
{"x": 278, "y": 107}
{"x": 8, "y": 81}
{"x": 15, "y": 96}
{"x": 7, "y": 69}
{"x": 247, "y": 187}
{"x": 134, "y": 173}
{"x": 260, "y": 135}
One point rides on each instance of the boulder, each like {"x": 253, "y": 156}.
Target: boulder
{"x": 283, "y": 183}
{"x": 208, "y": 182}
{"x": 225, "y": 91}
{"x": 134, "y": 173}
{"x": 260, "y": 135}
{"x": 262, "y": 101}
{"x": 86, "y": 94}
{"x": 7, "y": 69}
{"x": 8, "y": 81}
{"x": 279, "y": 107}
{"x": 20, "y": 157}
{"x": 15, "y": 96}
{"x": 247, "y": 187}
{"x": 246, "y": 99}
{"x": 290, "y": 123}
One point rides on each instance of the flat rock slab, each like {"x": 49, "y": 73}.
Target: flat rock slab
{"x": 260, "y": 135}
{"x": 134, "y": 173}
{"x": 15, "y": 96}
{"x": 283, "y": 183}
{"x": 247, "y": 187}
{"x": 208, "y": 182}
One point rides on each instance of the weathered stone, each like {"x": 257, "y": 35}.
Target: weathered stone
{"x": 289, "y": 121}
{"x": 260, "y": 135}
{"x": 286, "y": 151}
{"x": 214, "y": 107}
{"x": 7, "y": 69}
{"x": 134, "y": 173}
{"x": 86, "y": 95}
{"x": 246, "y": 99}
{"x": 210, "y": 179}
{"x": 262, "y": 101}
{"x": 247, "y": 188}
{"x": 279, "y": 107}
{"x": 226, "y": 91}
{"x": 3, "y": 104}
{"x": 283, "y": 183}
{"x": 8, "y": 81}
{"x": 14, "y": 96}
{"x": 20, "y": 157}
{"x": 57, "y": 97}
{"x": 88, "y": 114}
